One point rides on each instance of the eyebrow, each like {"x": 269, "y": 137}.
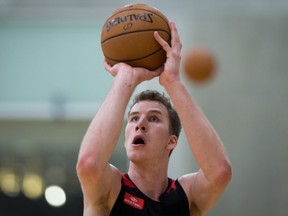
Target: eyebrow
{"x": 150, "y": 111}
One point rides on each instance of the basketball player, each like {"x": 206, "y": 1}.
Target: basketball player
{"x": 151, "y": 134}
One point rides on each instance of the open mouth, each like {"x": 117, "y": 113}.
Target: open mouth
{"x": 138, "y": 141}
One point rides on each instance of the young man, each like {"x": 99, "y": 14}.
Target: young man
{"x": 150, "y": 136}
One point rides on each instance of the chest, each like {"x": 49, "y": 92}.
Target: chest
{"x": 133, "y": 203}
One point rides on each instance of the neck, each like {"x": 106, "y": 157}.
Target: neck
{"x": 151, "y": 181}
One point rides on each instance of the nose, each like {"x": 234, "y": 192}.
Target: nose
{"x": 140, "y": 125}
{"x": 143, "y": 128}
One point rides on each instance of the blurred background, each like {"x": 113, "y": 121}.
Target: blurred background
{"x": 52, "y": 82}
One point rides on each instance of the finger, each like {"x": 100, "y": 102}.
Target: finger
{"x": 109, "y": 68}
{"x": 106, "y": 65}
{"x": 152, "y": 74}
{"x": 161, "y": 41}
{"x": 175, "y": 42}
{"x": 159, "y": 69}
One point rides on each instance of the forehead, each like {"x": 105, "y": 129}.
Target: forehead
{"x": 149, "y": 106}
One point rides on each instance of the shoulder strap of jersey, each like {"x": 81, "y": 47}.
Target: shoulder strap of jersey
{"x": 126, "y": 181}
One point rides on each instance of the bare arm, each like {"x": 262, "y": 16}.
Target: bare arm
{"x": 100, "y": 181}
{"x": 215, "y": 171}
{"x": 204, "y": 187}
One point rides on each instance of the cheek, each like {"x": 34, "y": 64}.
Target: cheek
{"x": 127, "y": 133}
{"x": 161, "y": 133}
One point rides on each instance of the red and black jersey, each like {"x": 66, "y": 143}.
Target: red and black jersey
{"x": 132, "y": 202}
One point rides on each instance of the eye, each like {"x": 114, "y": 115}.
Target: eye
{"x": 153, "y": 119}
{"x": 134, "y": 118}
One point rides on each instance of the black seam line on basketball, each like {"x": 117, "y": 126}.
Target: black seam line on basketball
{"x": 158, "y": 30}
{"x": 142, "y": 10}
{"x": 136, "y": 58}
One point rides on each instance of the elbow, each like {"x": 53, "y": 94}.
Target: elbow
{"x": 83, "y": 166}
{"x": 224, "y": 175}
{"x": 86, "y": 166}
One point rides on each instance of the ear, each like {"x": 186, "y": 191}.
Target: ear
{"x": 172, "y": 142}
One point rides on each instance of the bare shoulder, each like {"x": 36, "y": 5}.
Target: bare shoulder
{"x": 202, "y": 193}
{"x": 187, "y": 182}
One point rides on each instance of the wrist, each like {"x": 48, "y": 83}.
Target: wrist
{"x": 171, "y": 83}
{"x": 124, "y": 82}
{"x": 173, "y": 86}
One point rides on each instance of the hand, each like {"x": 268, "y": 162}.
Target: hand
{"x": 173, "y": 54}
{"x": 132, "y": 75}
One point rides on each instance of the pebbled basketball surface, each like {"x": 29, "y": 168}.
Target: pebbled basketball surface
{"x": 127, "y": 36}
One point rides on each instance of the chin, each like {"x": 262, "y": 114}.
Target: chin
{"x": 135, "y": 157}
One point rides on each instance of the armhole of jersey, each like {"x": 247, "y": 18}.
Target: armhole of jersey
{"x": 182, "y": 192}
{"x": 119, "y": 198}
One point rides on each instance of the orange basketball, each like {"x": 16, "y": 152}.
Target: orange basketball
{"x": 199, "y": 64}
{"x": 128, "y": 36}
